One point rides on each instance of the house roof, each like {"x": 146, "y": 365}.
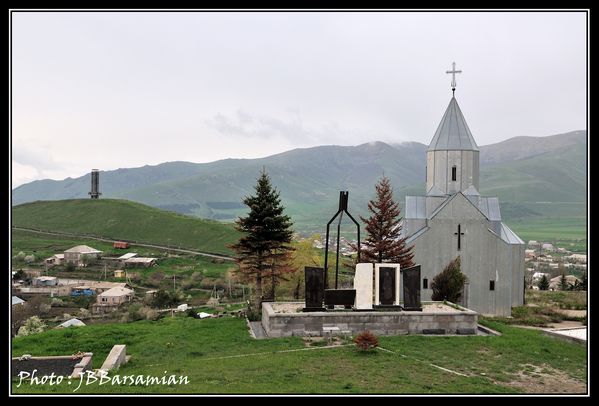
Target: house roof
{"x": 45, "y": 278}
{"x": 453, "y": 132}
{"x": 139, "y": 260}
{"x": 509, "y": 236}
{"x": 128, "y": 255}
{"x": 83, "y": 249}
{"x": 116, "y": 292}
{"x": 101, "y": 285}
{"x": 488, "y": 206}
{"x": 569, "y": 278}
{"x": 17, "y": 300}
{"x": 72, "y": 322}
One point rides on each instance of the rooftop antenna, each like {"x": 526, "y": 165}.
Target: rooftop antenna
{"x": 453, "y": 72}
{"x": 95, "y": 192}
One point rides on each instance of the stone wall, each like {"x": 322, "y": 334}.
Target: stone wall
{"x": 462, "y": 321}
{"x": 59, "y": 365}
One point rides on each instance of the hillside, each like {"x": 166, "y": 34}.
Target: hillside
{"x": 218, "y": 356}
{"x": 119, "y": 219}
{"x": 520, "y": 170}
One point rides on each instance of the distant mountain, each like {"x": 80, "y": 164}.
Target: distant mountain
{"x": 518, "y": 170}
{"x": 517, "y": 148}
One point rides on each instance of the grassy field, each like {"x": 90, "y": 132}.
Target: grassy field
{"x": 570, "y": 233}
{"x": 218, "y": 356}
{"x": 125, "y": 220}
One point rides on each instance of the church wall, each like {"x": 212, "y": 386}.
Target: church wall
{"x": 515, "y": 257}
{"x": 439, "y": 164}
{"x": 430, "y": 169}
{"x": 411, "y": 226}
{"x": 479, "y": 256}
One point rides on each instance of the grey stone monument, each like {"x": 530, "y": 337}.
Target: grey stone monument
{"x": 314, "y": 278}
{"x": 411, "y": 289}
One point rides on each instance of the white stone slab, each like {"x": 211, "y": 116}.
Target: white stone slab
{"x": 377, "y": 282}
{"x": 363, "y": 286}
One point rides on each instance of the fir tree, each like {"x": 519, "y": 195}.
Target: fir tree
{"x": 448, "y": 284}
{"x": 563, "y": 283}
{"x": 263, "y": 251}
{"x": 384, "y": 242}
{"x": 543, "y": 283}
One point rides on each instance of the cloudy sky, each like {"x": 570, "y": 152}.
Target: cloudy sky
{"x": 112, "y": 90}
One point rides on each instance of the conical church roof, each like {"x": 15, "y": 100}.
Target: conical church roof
{"x": 453, "y": 132}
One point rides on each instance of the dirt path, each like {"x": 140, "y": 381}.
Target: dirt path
{"x": 205, "y": 254}
{"x": 544, "y": 379}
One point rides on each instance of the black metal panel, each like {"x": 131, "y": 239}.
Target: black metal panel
{"x": 345, "y": 297}
{"x": 314, "y": 278}
{"x": 411, "y": 288}
{"x": 387, "y": 285}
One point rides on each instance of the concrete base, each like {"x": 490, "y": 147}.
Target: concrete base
{"x": 458, "y": 321}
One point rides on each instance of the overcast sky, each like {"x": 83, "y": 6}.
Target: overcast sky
{"x": 113, "y": 90}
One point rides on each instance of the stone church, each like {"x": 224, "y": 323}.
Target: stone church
{"x": 454, "y": 219}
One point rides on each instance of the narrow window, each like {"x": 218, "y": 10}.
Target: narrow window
{"x": 491, "y": 285}
{"x": 425, "y": 283}
{"x": 454, "y": 173}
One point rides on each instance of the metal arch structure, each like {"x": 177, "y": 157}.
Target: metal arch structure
{"x": 343, "y": 198}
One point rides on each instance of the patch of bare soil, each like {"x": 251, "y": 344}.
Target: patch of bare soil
{"x": 572, "y": 313}
{"x": 322, "y": 341}
{"x": 545, "y": 379}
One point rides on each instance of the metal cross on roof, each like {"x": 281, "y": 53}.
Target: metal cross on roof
{"x": 453, "y": 72}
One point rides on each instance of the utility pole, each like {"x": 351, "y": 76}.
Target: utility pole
{"x": 174, "y": 287}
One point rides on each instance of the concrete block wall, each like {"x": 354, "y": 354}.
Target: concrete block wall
{"x": 462, "y": 321}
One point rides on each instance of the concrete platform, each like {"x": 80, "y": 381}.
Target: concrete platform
{"x": 284, "y": 319}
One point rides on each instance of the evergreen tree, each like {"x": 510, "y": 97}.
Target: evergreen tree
{"x": 543, "y": 283}
{"x": 384, "y": 242}
{"x": 563, "y": 283}
{"x": 264, "y": 251}
{"x": 448, "y": 284}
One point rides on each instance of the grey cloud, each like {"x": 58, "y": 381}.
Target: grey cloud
{"x": 256, "y": 126}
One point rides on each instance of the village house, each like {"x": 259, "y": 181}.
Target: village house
{"x": 45, "y": 281}
{"x": 111, "y": 299}
{"x": 77, "y": 255}
{"x": 71, "y": 323}
{"x": 530, "y": 254}
{"x": 119, "y": 273}
{"x": 554, "y": 283}
{"x": 17, "y": 301}
{"x": 580, "y": 258}
{"x": 92, "y": 287}
{"x": 140, "y": 261}
{"x": 56, "y": 259}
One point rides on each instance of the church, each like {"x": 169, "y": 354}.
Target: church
{"x": 453, "y": 219}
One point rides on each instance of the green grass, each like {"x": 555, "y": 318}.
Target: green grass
{"x": 197, "y": 349}
{"x": 121, "y": 219}
{"x": 570, "y": 233}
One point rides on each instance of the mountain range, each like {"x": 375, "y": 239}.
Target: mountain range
{"x": 524, "y": 172}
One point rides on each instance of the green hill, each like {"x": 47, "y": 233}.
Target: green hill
{"x": 125, "y": 220}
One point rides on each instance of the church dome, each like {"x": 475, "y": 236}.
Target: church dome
{"x": 453, "y": 132}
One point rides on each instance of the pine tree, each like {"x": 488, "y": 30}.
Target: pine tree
{"x": 543, "y": 283}
{"x": 384, "y": 242}
{"x": 448, "y": 284}
{"x": 263, "y": 251}
{"x": 563, "y": 283}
